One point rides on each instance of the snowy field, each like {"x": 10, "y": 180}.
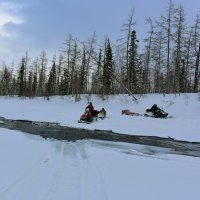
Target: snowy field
{"x": 33, "y": 168}
{"x": 184, "y": 125}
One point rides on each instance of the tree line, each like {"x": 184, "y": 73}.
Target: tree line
{"x": 168, "y": 62}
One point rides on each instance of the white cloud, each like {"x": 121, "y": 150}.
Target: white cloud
{"x": 9, "y": 14}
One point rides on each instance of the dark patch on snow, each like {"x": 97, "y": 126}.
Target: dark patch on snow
{"x": 56, "y": 131}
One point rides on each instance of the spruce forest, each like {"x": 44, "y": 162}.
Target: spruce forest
{"x": 168, "y": 62}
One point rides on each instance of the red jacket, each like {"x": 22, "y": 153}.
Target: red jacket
{"x": 90, "y": 107}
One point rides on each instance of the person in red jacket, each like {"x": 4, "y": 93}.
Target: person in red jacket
{"x": 90, "y": 107}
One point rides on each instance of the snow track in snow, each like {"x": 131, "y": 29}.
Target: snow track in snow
{"x": 68, "y": 171}
{"x": 92, "y": 181}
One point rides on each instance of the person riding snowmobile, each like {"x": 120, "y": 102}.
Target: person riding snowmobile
{"x": 157, "y": 112}
{"x": 93, "y": 112}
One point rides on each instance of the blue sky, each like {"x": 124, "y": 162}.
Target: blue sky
{"x": 36, "y": 25}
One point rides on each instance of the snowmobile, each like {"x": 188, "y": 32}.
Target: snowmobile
{"x": 160, "y": 113}
{"x": 87, "y": 118}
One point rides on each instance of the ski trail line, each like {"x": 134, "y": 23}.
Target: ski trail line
{"x": 65, "y": 181}
{"x": 64, "y": 172}
{"x": 91, "y": 180}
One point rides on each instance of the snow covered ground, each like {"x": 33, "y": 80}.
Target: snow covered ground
{"x": 184, "y": 108}
{"x": 33, "y": 168}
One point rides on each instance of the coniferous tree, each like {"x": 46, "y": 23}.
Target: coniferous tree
{"x": 51, "y": 84}
{"x": 108, "y": 69}
{"x": 64, "y": 82}
{"x": 125, "y": 49}
{"x": 34, "y": 84}
{"x": 133, "y": 71}
{"x": 35, "y": 71}
{"x": 6, "y": 81}
{"x": 59, "y": 73}
{"x": 30, "y": 84}
{"x": 21, "y": 79}
{"x": 14, "y": 86}
{"x": 42, "y": 73}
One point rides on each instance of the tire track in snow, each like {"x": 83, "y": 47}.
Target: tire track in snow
{"x": 91, "y": 179}
{"x": 65, "y": 182}
{"x": 33, "y": 181}
{"x": 76, "y": 177}
{"x": 64, "y": 172}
